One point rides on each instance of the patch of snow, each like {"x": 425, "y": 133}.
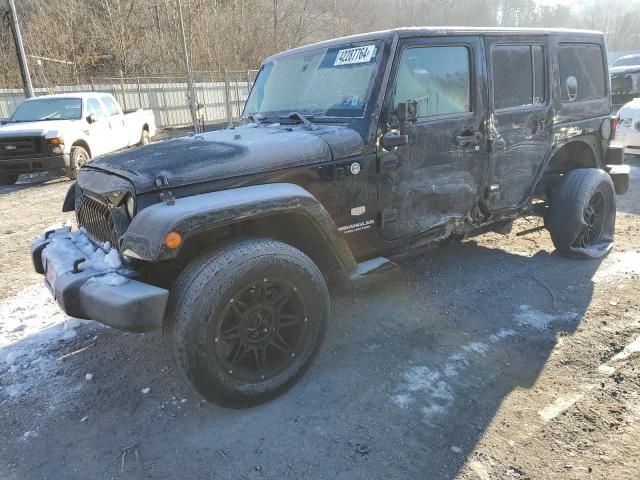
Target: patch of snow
{"x": 606, "y": 369}
{"x": 501, "y": 335}
{"x": 477, "y": 347}
{"x": 618, "y": 264}
{"x": 631, "y": 349}
{"x": 558, "y": 406}
{"x": 402, "y": 400}
{"x": 145, "y": 390}
{"x": 31, "y": 323}
{"x": 456, "y": 449}
{"x": 66, "y": 246}
{"x": 431, "y": 388}
{"x": 88, "y": 377}
{"x": 528, "y": 316}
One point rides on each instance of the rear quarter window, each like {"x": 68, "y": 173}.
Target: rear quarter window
{"x": 582, "y": 72}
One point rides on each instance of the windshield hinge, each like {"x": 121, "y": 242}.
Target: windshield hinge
{"x": 168, "y": 198}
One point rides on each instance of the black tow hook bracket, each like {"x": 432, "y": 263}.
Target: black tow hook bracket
{"x": 76, "y": 265}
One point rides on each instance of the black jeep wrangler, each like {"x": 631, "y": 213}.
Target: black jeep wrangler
{"x": 351, "y": 152}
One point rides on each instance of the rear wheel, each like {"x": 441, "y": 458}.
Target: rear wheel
{"x": 582, "y": 214}
{"x": 8, "y": 179}
{"x": 245, "y": 322}
{"x": 79, "y": 157}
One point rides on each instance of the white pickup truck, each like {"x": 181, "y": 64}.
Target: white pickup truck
{"x": 65, "y": 131}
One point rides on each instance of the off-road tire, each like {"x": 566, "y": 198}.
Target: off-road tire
{"x": 144, "y": 138}
{"x": 79, "y": 156}
{"x": 8, "y": 179}
{"x": 570, "y": 201}
{"x": 202, "y": 294}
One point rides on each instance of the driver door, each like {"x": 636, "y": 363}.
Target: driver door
{"x": 439, "y": 174}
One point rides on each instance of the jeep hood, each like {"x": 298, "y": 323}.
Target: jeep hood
{"x": 229, "y": 153}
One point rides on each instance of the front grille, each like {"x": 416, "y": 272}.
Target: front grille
{"x": 620, "y": 84}
{"x": 95, "y": 217}
{"x": 20, "y": 146}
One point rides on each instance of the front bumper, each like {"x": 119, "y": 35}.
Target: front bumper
{"x": 629, "y": 137}
{"x": 92, "y": 294}
{"x": 35, "y": 164}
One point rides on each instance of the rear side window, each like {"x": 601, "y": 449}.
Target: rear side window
{"x": 94, "y": 107}
{"x": 581, "y": 72}
{"x": 110, "y": 105}
{"x": 518, "y": 75}
{"x": 438, "y": 78}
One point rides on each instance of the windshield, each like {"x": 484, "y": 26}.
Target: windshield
{"x": 48, "y": 109}
{"x": 329, "y": 82}
{"x": 627, "y": 62}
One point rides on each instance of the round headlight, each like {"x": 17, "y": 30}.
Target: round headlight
{"x": 131, "y": 206}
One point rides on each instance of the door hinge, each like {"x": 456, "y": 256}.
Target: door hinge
{"x": 388, "y": 215}
{"x": 493, "y": 192}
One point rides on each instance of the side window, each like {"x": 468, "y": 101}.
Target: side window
{"x": 111, "y": 106}
{"x": 94, "y": 107}
{"x": 438, "y": 78}
{"x": 518, "y": 75}
{"x": 581, "y": 72}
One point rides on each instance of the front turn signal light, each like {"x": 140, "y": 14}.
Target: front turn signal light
{"x": 173, "y": 240}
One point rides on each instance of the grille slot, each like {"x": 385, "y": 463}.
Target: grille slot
{"x": 620, "y": 84}
{"x": 96, "y": 219}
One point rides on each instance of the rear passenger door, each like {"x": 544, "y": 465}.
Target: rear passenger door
{"x": 119, "y": 134}
{"x": 520, "y": 126}
{"x": 99, "y": 130}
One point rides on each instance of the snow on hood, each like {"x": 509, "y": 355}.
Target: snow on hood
{"x": 229, "y": 153}
{"x": 48, "y": 128}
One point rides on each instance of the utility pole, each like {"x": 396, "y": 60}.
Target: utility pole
{"x": 187, "y": 66}
{"x": 22, "y": 59}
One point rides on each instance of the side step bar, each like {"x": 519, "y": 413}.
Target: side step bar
{"x": 367, "y": 272}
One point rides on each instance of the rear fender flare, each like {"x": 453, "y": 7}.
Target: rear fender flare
{"x": 144, "y": 239}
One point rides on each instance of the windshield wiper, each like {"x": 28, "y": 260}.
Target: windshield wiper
{"x": 303, "y": 118}
{"x": 257, "y": 118}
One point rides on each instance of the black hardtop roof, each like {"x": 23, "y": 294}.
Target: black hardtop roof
{"x": 443, "y": 31}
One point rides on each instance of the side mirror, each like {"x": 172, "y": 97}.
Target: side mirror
{"x": 572, "y": 87}
{"x": 91, "y": 118}
{"x": 393, "y": 139}
{"x": 407, "y": 111}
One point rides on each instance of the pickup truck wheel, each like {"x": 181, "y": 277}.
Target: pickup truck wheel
{"x": 8, "y": 179}
{"x": 582, "y": 214}
{"x": 79, "y": 157}
{"x": 144, "y": 138}
{"x": 246, "y": 321}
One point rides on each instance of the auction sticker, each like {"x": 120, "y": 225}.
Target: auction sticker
{"x": 350, "y": 56}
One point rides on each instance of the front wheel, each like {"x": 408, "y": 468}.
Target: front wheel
{"x": 246, "y": 321}
{"x": 583, "y": 214}
{"x": 79, "y": 157}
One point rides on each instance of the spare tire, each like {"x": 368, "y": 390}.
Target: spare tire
{"x": 583, "y": 214}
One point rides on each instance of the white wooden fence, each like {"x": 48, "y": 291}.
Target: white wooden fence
{"x": 220, "y": 96}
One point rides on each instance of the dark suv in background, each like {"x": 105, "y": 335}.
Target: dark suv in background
{"x": 351, "y": 153}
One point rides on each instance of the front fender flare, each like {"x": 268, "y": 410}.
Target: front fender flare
{"x": 144, "y": 239}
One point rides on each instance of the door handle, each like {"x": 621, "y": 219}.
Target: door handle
{"x": 468, "y": 140}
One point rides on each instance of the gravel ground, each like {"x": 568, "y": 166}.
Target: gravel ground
{"x": 491, "y": 358}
